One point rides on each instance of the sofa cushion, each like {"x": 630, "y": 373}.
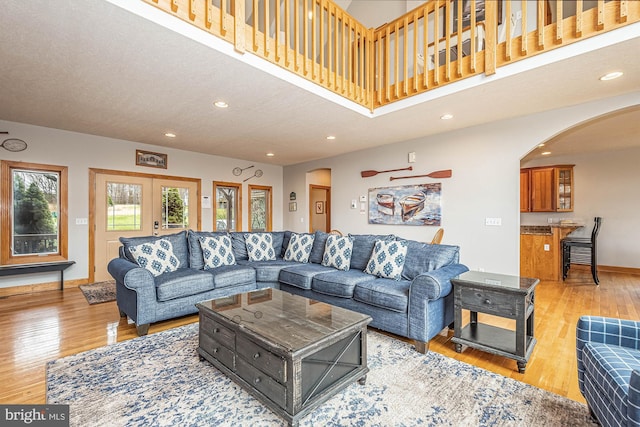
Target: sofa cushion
{"x": 178, "y": 241}
{"x": 424, "y": 257}
{"x": 362, "y": 247}
{"x": 260, "y": 246}
{"x": 239, "y": 245}
{"x": 301, "y": 275}
{"x": 338, "y": 283}
{"x": 156, "y": 256}
{"x": 232, "y": 275}
{"x": 196, "y": 258}
{"x": 317, "y": 251}
{"x": 387, "y": 259}
{"x": 217, "y": 251}
{"x": 610, "y": 367}
{"x": 278, "y": 240}
{"x": 183, "y": 282}
{"x": 268, "y": 271}
{"x": 338, "y": 252}
{"x": 299, "y": 247}
{"x": 386, "y": 293}
{"x": 285, "y": 242}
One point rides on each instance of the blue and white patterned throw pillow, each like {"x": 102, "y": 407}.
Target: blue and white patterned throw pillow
{"x": 260, "y": 246}
{"x": 157, "y": 256}
{"x": 299, "y": 248}
{"x": 337, "y": 252}
{"x": 387, "y": 259}
{"x": 217, "y": 251}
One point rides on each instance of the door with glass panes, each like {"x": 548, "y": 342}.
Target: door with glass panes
{"x": 133, "y": 206}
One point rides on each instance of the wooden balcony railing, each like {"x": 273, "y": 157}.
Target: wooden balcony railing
{"x": 435, "y": 44}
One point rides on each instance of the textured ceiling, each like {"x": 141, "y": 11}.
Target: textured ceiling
{"x": 102, "y": 70}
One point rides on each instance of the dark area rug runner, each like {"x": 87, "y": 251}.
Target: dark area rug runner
{"x": 99, "y": 292}
{"x": 159, "y": 379}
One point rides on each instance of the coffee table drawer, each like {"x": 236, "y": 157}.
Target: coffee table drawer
{"x": 218, "y": 351}
{"x": 263, "y": 359}
{"x": 217, "y": 331}
{"x": 262, "y": 382}
{"x": 487, "y": 301}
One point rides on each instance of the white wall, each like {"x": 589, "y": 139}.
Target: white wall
{"x": 485, "y": 161}
{"x": 606, "y": 185}
{"x": 79, "y": 152}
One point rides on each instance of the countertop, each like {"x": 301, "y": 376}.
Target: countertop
{"x": 547, "y": 230}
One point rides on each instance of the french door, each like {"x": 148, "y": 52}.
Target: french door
{"x": 132, "y": 205}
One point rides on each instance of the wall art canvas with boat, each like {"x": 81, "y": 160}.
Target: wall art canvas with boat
{"x": 405, "y": 205}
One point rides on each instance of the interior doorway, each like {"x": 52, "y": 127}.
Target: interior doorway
{"x": 319, "y": 208}
{"x": 126, "y": 204}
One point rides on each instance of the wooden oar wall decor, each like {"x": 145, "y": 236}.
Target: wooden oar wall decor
{"x": 369, "y": 173}
{"x": 437, "y": 174}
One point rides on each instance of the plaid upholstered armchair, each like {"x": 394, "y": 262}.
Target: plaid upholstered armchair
{"x": 609, "y": 368}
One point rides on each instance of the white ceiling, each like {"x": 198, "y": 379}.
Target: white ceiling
{"x": 98, "y": 69}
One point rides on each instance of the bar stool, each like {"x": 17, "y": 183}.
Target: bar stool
{"x": 582, "y": 250}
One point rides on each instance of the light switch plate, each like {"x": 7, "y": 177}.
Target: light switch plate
{"x": 493, "y": 221}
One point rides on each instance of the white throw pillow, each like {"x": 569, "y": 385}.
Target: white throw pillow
{"x": 156, "y": 256}
{"x": 216, "y": 251}
{"x": 299, "y": 248}
{"x": 337, "y": 252}
{"x": 387, "y": 259}
{"x": 260, "y": 246}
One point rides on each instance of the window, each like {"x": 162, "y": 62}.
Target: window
{"x": 34, "y": 228}
{"x": 227, "y": 209}
{"x": 260, "y": 208}
{"x": 124, "y": 206}
{"x": 175, "y": 207}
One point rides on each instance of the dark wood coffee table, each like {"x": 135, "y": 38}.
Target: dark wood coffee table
{"x": 290, "y": 352}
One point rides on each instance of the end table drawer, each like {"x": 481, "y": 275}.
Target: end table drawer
{"x": 262, "y": 382}
{"x": 219, "y": 332}
{"x": 263, "y": 359}
{"x": 486, "y": 301}
{"x": 218, "y": 351}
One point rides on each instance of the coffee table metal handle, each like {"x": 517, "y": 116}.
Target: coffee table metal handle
{"x": 255, "y": 356}
{"x": 216, "y": 330}
{"x": 215, "y": 350}
{"x": 257, "y": 380}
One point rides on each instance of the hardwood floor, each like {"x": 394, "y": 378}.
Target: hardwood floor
{"x": 39, "y": 327}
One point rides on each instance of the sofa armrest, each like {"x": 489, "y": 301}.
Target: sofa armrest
{"x": 130, "y": 274}
{"x": 437, "y": 283}
{"x": 633, "y": 406}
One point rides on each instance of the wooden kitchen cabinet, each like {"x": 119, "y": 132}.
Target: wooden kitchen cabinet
{"x": 547, "y": 189}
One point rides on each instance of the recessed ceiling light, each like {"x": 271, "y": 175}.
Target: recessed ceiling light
{"x": 170, "y": 135}
{"x": 446, "y": 117}
{"x": 331, "y": 137}
{"x": 611, "y": 76}
{"x": 221, "y": 104}
{"x": 270, "y": 154}
{"x": 546, "y": 153}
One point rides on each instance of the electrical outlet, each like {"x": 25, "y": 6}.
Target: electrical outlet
{"x": 546, "y": 247}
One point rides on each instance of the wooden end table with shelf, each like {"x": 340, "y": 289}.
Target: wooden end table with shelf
{"x": 500, "y": 295}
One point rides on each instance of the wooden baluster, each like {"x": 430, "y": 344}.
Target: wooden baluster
{"x": 436, "y": 40}
{"x": 192, "y": 10}
{"x": 277, "y": 33}
{"x": 472, "y": 35}
{"x": 314, "y": 41}
{"x": 287, "y": 32}
{"x": 296, "y": 34}
{"x": 415, "y": 51}
{"x": 267, "y": 49}
{"x": 321, "y": 19}
{"x": 239, "y": 30}
{"x": 525, "y": 36}
{"x": 223, "y": 16}
{"x": 559, "y": 22}
{"x": 405, "y": 55}
{"x": 370, "y": 70}
{"x": 508, "y": 39}
{"x": 540, "y": 23}
{"x": 396, "y": 61}
{"x": 330, "y": 33}
{"x": 579, "y": 13}
{"x": 624, "y": 13}
{"x": 256, "y": 11}
{"x": 425, "y": 52}
{"x": 600, "y": 24}
{"x": 361, "y": 54}
{"x": 387, "y": 64}
{"x": 305, "y": 38}
{"x": 491, "y": 35}
{"x": 352, "y": 58}
{"x": 447, "y": 41}
{"x": 208, "y": 15}
{"x": 336, "y": 35}
{"x": 459, "y": 36}
{"x": 174, "y": 6}
{"x": 378, "y": 73}
{"x": 345, "y": 52}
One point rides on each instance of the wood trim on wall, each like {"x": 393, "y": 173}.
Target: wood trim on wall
{"x": 327, "y": 207}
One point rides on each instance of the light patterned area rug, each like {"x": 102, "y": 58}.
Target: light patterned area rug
{"x": 99, "y": 292}
{"x": 158, "y": 380}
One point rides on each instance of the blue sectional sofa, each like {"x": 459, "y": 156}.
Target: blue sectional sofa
{"x": 403, "y": 285}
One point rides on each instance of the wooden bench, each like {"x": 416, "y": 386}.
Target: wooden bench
{"x": 43, "y": 267}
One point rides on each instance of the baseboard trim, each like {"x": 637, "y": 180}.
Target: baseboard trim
{"x": 609, "y": 269}
{"x": 40, "y": 287}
